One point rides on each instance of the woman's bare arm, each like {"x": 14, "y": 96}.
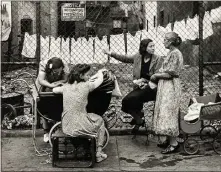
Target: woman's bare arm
{"x": 44, "y": 82}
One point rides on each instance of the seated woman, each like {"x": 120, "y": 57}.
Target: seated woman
{"x": 75, "y": 119}
{"x": 145, "y": 64}
{"x": 52, "y": 73}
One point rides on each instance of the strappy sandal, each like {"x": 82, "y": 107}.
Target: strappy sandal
{"x": 100, "y": 156}
{"x": 170, "y": 149}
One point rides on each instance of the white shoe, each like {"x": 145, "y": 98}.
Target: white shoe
{"x": 46, "y": 138}
{"x": 100, "y": 156}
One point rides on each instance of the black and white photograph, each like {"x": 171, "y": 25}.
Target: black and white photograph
{"x": 110, "y": 85}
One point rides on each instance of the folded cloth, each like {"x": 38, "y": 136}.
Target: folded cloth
{"x": 193, "y": 112}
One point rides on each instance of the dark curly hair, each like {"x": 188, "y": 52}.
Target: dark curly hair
{"x": 76, "y": 71}
{"x": 143, "y": 46}
{"x": 53, "y": 63}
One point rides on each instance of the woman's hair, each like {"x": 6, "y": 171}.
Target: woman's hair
{"x": 76, "y": 71}
{"x": 143, "y": 46}
{"x": 53, "y": 63}
{"x": 174, "y": 38}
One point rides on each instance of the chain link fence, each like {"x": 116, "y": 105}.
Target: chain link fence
{"x": 78, "y": 31}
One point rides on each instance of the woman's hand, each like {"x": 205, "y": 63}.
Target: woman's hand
{"x": 143, "y": 85}
{"x": 56, "y": 84}
{"x": 144, "y": 80}
{"x": 154, "y": 78}
{"x": 107, "y": 52}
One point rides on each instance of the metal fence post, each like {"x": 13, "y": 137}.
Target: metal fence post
{"x": 38, "y": 32}
{"x": 201, "y": 15}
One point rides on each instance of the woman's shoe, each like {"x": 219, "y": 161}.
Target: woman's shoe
{"x": 136, "y": 127}
{"x": 46, "y": 138}
{"x": 132, "y": 122}
{"x": 164, "y": 145}
{"x": 170, "y": 149}
{"x": 143, "y": 123}
{"x": 100, "y": 156}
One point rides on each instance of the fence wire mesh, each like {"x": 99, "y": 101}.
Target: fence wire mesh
{"x": 78, "y": 31}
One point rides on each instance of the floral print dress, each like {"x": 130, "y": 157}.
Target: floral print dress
{"x": 167, "y": 104}
{"x": 75, "y": 119}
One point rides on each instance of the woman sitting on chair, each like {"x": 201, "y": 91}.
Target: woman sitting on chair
{"x": 52, "y": 73}
{"x": 145, "y": 64}
{"x": 75, "y": 119}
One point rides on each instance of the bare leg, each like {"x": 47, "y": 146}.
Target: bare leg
{"x": 100, "y": 155}
{"x": 45, "y": 125}
{"x": 172, "y": 147}
{"x": 101, "y": 133}
{"x": 162, "y": 139}
{"x": 46, "y": 128}
{"x": 173, "y": 141}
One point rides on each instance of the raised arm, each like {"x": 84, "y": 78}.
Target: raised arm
{"x": 121, "y": 57}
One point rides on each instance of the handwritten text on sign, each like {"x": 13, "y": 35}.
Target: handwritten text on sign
{"x": 73, "y": 12}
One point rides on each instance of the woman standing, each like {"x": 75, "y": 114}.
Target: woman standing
{"x": 145, "y": 64}
{"x": 75, "y": 119}
{"x": 169, "y": 93}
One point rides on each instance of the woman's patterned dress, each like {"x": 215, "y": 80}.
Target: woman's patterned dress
{"x": 75, "y": 119}
{"x": 168, "y": 96}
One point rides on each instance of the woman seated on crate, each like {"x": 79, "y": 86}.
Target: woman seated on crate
{"x": 52, "y": 73}
{"x": 75, "y": 119}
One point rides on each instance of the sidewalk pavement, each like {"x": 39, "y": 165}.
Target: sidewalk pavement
{"x": 124, "y": 154}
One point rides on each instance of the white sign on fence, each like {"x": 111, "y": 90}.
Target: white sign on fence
{"x": 73, "y": 12}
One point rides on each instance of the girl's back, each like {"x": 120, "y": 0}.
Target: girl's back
{"x": 75, "y": 97}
